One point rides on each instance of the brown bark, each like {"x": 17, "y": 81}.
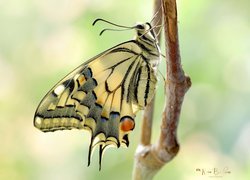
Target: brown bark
{"x": 150, "y": 158}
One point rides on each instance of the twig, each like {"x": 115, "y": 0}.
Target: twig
{"x": 177, "y": 84}
{"x": 149, "y": 111}
{"x": 150, "y": 158}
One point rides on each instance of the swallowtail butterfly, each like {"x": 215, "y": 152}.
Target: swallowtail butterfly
{"x": 104, "y": 94}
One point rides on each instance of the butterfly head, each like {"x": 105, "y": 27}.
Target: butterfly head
{"x": 147, "y": 40}
{"x": 145, "y": 29}
{"x": 143, "y": 26}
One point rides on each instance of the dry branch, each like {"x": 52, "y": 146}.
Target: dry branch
{"x": 150, "y": 158}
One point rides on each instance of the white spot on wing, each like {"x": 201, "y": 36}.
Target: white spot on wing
{"x": 59, "y": 90}
{"x": 38, "y": 121}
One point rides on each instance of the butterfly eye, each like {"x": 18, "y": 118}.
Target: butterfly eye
{"x": 139, "y": 26}
{"x": 127, "y": 124}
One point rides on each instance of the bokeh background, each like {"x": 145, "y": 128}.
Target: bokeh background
{"x": 41, "y": 41}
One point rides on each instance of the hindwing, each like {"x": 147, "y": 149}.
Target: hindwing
{"x": 102, "y": 96}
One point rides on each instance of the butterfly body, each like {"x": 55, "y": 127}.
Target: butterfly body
{"x": 104, "y": 94}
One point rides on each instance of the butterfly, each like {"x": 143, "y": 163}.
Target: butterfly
{"x": 104, "y": 94}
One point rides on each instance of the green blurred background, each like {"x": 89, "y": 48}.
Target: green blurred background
{"x": 41, "y": 41}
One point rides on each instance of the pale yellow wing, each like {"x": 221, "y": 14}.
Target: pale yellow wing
{"x": 102, "y": 96}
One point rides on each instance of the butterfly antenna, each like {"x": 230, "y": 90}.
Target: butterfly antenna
{"x": 117, "y": 25}
{"x": 107, "y": 29}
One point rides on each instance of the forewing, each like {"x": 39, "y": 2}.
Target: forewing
{"x": 96, "y": 97}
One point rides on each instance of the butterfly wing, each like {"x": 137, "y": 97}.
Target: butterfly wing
{"x": 102, "y": 96}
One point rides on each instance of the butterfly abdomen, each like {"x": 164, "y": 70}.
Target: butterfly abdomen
{"x": 144, "y": 86}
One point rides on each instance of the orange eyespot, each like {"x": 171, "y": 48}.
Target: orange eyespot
{"x": 127, "y": 124}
